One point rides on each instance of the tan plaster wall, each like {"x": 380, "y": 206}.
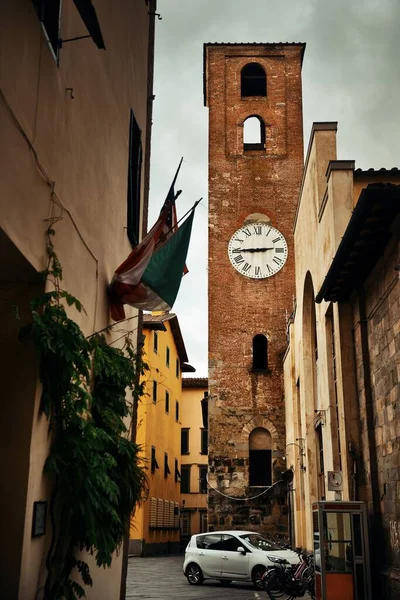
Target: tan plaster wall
{"x": 82, "y": 145}
{"x": 321, "y": 220}
{"x": 367, "y": 374}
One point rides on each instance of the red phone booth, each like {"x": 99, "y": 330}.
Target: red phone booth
{"x": 341, "y": 551}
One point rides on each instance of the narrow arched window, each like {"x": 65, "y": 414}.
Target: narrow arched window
{"x": 260, "y": 457}
{"x": 260, "y": 353}
{"x": 253, "y": 133}
{"x": 253, "y": 80}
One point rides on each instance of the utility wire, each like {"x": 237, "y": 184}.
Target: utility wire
{"x": 245, "y": 497}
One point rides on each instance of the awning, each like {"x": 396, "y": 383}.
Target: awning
{"x": 89, "y": 17}
{"x": 363, "y": 242}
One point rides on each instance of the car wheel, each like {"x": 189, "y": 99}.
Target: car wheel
{"x": 194, "y": 574}
{"x": 225, "y": 581}
{"x": 256, "y": 576}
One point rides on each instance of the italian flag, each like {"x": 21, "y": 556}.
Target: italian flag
{"x": 151, "y": 276}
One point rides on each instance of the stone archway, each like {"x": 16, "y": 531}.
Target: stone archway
{"x": 254, "y": 423}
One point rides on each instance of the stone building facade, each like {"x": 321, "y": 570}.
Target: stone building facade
{"x": 253, "y": 183}
{"x": 342, "y": 365}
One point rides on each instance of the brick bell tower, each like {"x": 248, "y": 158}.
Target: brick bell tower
{"x": 253, "y": 92}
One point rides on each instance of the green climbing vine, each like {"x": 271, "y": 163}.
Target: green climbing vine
{"x": 94, "y": 468}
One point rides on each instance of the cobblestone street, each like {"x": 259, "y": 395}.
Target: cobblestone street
{"x": 161, "y": 578}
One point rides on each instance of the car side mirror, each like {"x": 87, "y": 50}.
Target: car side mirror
{"x": 241, "y": 550}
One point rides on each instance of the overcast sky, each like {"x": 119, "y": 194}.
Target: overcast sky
{"x": 351, "y": 74}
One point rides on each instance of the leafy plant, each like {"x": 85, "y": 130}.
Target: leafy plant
{"x": 96, "y": 474}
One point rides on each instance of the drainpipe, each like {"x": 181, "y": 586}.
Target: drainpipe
{"x": 125, "y": 544}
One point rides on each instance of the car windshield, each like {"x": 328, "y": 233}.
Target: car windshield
{"x": 259, "y": 541}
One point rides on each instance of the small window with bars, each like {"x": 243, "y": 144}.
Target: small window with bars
{"x": 185, "y": 530}
{"x": 203, "y": 521}
{"x": 167, "y": 355}
{"x": 167, "y": 402}
{"x": 177, "y": 369}
{"x": 177, "y": 411}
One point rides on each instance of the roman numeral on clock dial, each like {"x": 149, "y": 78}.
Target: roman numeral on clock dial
{"x": 238, "y": 259}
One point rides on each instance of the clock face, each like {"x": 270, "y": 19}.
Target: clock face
{"x": 257, "y": 250}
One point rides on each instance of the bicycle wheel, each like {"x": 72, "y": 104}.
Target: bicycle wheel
{"x": 279, "y": 595}
{"x": 275, "y": 586}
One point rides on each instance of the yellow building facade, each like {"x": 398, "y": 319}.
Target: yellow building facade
{"x": 155, "y": 527}
{"x": 194, "y": 458}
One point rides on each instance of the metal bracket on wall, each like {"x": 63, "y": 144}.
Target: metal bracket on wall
{"x": 154, "y": 14}
{"x": 80, "y": 37}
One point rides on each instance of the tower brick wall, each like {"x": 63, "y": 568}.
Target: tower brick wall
{"x": 242, "y": 183}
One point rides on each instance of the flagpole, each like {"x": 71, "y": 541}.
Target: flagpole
{"x": 176, "y": 174}
{"x": 190, "y": 210}
{"x": 185, "y": 215}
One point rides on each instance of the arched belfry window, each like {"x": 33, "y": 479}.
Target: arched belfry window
{"x": 253, "y": 80}
{"x": 253, "y": 133}
{"x": 260, "y": 457}
{"x": 260, "y": 353}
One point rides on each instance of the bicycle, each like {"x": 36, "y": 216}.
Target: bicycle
{"x": 285, "y": 582}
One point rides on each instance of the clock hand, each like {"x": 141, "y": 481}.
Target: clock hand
{"x": 255, "y": 249}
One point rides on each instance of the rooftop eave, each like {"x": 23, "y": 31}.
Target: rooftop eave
{"x": 364, "y": 241}
{"x": 195, "y": 382}
{"x": 186, "y": 368}
{"x": 180, "y": 345}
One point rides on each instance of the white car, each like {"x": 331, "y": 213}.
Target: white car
{"x": 231, "y": 556}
